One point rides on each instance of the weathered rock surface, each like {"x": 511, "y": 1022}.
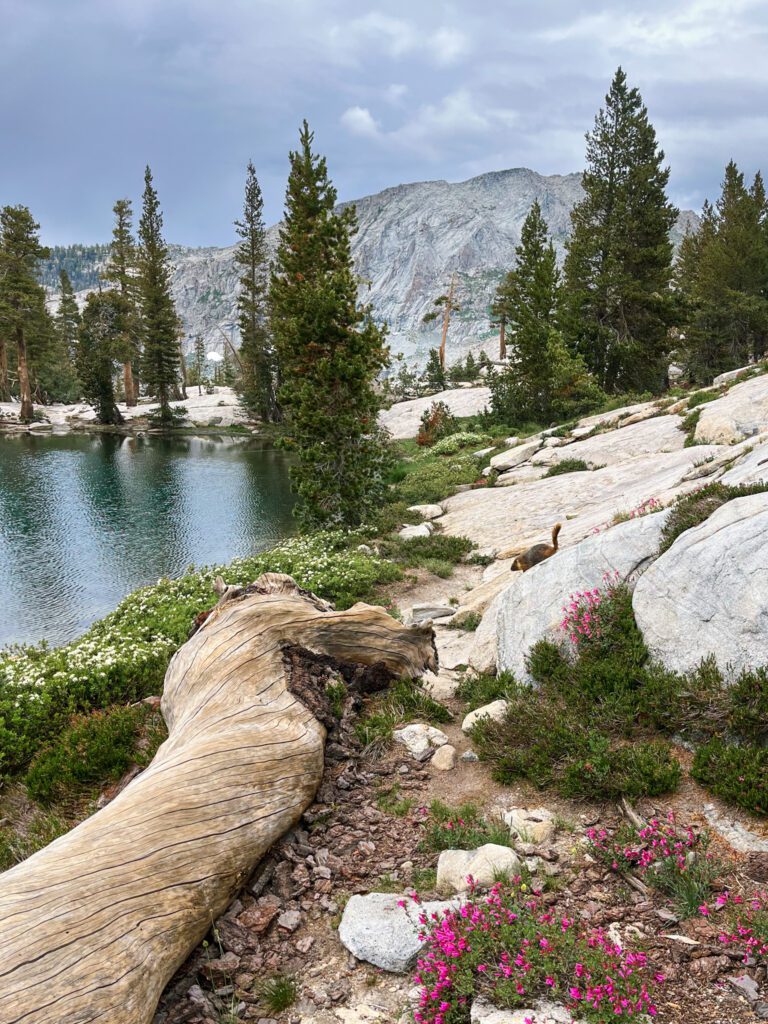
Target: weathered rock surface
{"x": 425, "y": 612}
{"x": 483, "y": 865}
{"x": 729, "y": 375}
{"x": 419, "y": 739}
{"x": 421, "y": 530}
{"x": 496, "y": 711}
{"x": 506, "y": 517}
{"x": 485, "y": 650}
{"x": 708, "y": 594}
{"x": 531, "y": 824}
{"x": 427, "y": 511}
{"x": 375, "y": 929}
{"x": 531, "y": 608}
{"x": 752, "y": 468}
{"x": 402, "y": 420}
{"x": 444, "y": 758}
{"x": 441, "y": 685}
{"x": 515, "y": 456}
{"x": 659, "y": 434}
{"x": 617, "y": 415}
{"x": 454, "y": 646}
{"x": 483, "y": 1012}
{"x": 741, "y": 412}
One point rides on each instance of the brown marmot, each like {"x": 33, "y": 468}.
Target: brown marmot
{"x": 537, "y": 553}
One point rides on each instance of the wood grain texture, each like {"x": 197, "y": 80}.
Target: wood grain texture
{"x": 93, "y": 926}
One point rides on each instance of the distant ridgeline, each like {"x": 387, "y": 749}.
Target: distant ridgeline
{"x": 411, "y": 238}
{"x": 82, "y": 262}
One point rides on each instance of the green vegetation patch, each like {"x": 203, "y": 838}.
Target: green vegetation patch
{"x": 736, "y": 774}
{"x": 693, "y": 509}
{"x": 405, "y": 701}
{"x": 461, "y": 828}
{"x": 568, "y": 466}
{"x": 433, "y": 477}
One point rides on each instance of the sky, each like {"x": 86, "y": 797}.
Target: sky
{"x": 398, "y": 91}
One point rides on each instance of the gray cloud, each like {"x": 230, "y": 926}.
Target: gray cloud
{"x": 91, "y": 90}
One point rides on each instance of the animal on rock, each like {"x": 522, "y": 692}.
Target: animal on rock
{"x": 537, "y": 553}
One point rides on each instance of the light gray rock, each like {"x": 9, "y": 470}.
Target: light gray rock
{"x": 752, "y": 467}
{"x": 708, "y": 594}
{"x": 483, "y": 452}
{"x": 734, "y": 832}
{"x": 427, "y": 511}
{"x": 425, "y": 612}
{"x": 659, "y": 434}
{"x": 419, "y": 739}
{"x": 403, "y": 419}
{"x": 515, "y": 456}
{"x": 422, "y": 530}
{"x": 496, "y": 711}
{"x": 454, "y": 647}
{"x": 741, "y": 412}
{"x": 531, "y": 608}
{"x": 470, "y": 756}
{"x": 485, "y": 650}
{"x": 542, "y": 1012}
{"x": 484, "y": 865}
{"x": 375, "y": 929}
{"x": 531, "y": 824}
{"x": 729, "y": 375}
{"x": 441, "y": 685}
{"x": 444, "y": 758}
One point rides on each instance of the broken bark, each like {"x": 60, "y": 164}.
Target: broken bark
{"x": 95, "y": 924}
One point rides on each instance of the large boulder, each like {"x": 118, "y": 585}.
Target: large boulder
{"x": 496, "y": 711}
{"x": 740, "y": 413}
{"x": 484, "y": 865}
{"x": 531, "y": 608}
{"x": 507, "y": 517}
{"x": 708, "y": 594}
{"x": 659, "y": 434}
{"x": 403, "y": 419}
{"x": 515, "y": 456}
{"x": 751, "y": 468}
{"x": 378, "y": 929}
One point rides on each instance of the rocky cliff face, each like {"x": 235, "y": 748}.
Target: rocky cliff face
{"x": 411, "y": 239}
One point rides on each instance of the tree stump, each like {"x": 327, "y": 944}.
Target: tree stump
{"x": 94, "y": 925}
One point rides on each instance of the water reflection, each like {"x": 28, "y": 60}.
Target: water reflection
{"x": 86, "y": 518}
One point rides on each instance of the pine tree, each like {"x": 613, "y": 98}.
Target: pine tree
{"x": 67, "y": 315}
{"x": 160, "y": 324}
{"x": 542, "y": 379}
{"x": 329, "y": 351}
{"x": 434, "y": 372}
{"x": 53, "y": 346}
{"x": 446, "y": 305}
{"x": 22, "y": 299}
{"x": 100, "y": 344}
{"x": 257, "y": 380}
{"x": 500, "y": 315}
{"x": 120, "y": 271}
{"x": 722, "y": 277}
{"x": 619, "y": 261}
{"x": 198, "y": 362}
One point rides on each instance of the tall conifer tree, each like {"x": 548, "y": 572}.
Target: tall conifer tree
{"x": 330, "y": 352}
{"x": 619, "y": 262}
{"x": 160, "y": 325}
{"x": 120, "y": 271}
{"x": 100, "y": 339}
{"x": 22, "y": 299}
{"x": 257, "y": 378}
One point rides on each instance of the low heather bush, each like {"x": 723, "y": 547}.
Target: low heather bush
{"x": 736, "y": 774}
{"x": 506, "y": 947}
{"x": 460, "y": 828}
{"x": 692, "y": 509}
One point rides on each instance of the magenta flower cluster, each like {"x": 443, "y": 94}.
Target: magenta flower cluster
{"x": 581, "y": 616}
{"x": 659, "y": 842}
{"x": 504, "y": 946}
{"x": 747, "y": 928}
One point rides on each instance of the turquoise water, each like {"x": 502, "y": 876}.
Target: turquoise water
{"x": 86, "y": 518}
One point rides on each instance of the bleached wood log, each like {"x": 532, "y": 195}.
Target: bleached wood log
{"x": 93, "y": 926}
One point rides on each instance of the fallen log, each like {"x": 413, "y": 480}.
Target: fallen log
{"x": 94, "y": 925}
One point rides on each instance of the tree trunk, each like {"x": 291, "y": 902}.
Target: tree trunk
{"x": 5, "y": 387}
{"x": 95, "y": 924}
{"x": 27, "y": 409}
{"x": 447, "y": 320}
{"x": 130, "y": 389}
{"x": 502, "y": 339}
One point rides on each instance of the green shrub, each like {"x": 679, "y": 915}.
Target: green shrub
{"x": 460, "y": 828}
{"x": 405, "y": 701}
{"x": 455, "y": 442}
{"x": 693, "y": 509}
{"x": 468, "y": 622}
{"x": 484, "y": 688}
{"x": 736, "y": 774}
{"x": 688, "y": 427}
{"x": 748, "y": 705}
{"x": 568, "y": 466}
{"x": 701, "y": 397}
{"x": 434, "y": 479}
{"x": 18, "y": 843}
{"x": 94, "y": 749}
{"x": 123, "y": 657}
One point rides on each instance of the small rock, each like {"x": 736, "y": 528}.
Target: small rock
{"x": 422, "y": 530}
{"x": 260, "y": 916}
{"x": 536, "y": 825}
{"x": 745, "y": 986}
{"x": 482, "y": 452}
{"x": 427, "y": 612}
{"x": 428, "y": 511}
{"x": 444, "y": 758}
{"x": 542, "y": 1012}
{"x": 469, "y": 755}
{"x": 222, "y": 968}
{"x": 375, "y": 928}
{"x": 289, "y": 920}
{"x": 419, "y": 739}
{"x": 496, "y": 711}
{"x": 484, "y": 865}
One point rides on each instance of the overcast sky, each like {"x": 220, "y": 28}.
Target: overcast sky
{"x": 91, "y": 90}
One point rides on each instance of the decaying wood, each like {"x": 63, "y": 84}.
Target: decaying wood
{"x": 94, "y": 925}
